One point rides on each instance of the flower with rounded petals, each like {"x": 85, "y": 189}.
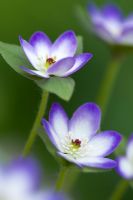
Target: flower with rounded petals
{"x": 110, "y": 24}
{"x": 125, "y": 163}
{"x": 77, "y": 140}
{"x": 57, "y": 59}
{"x": 20, "y": 179}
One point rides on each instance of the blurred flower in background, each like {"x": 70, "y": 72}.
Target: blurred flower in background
{"x": 20, "y": 180}
{"x": 125, "y": 163}
{"x": 76, "y": 139}
{"x": 109, "y": 24}
{"x": 57, "y": 59}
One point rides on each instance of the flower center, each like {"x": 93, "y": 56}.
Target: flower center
{"x": 74, "y": 147}
{"x": 50, "y": 61}
{"x": 76, "y": 143}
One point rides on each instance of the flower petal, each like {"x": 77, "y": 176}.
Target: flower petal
{"x": 69, "y": 158}
{"x": 64, "y": 46}
{"x": 81, "y": 60}
{"x": 30, "y": 52}
{"x": 85, "y": 121}
{"x": 58, "y": 120}
{"x": 124, "y": 168}
{"x": 100, "y": 25}
{"x": 61, "y": 67}
{"x": 35, "y": 72}
{"x": 111, "y": 11}
{"x": 25, "y": 172}
{"x": 106, "y": 23}
{"x": 127, "y": 36}
{"x": 41, "y": 43}
{"x": 97, "y": 162}
{"x": 95, "y": 14}
{"x": 92, "y": 9}
{"x": 51, "y": 134}
{"x": 49, "y": 194}
{"x": 104, "y": 32}
{"x": 104, "y": 143}
{"x": 128, "y": 22}
{"x": 129, "y": 151}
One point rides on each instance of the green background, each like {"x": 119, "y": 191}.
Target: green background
{"x": 19, "y": 97}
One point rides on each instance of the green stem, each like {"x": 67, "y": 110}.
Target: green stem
{"x": 108, "y": 82}
{"x": 61, "y": 178}
{"x": 120, "y": 190}
{"x": 33, "y": 132}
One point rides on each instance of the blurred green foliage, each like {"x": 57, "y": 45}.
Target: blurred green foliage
{"x": 19, "y": 97}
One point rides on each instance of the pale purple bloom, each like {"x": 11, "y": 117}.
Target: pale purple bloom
{"x": 57, "y": 59}
{"x": 125, "y": 163}
{"x": 20, "y": 180}
{"x": 51, "y": 195}
{"x": 110, "y": 24}
{"x": 77, "y": 140}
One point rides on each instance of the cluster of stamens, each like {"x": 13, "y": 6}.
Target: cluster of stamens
{"x": 76, "y": 143}
{"x": 50, "y": 61}
{"x": 73, "y": 146}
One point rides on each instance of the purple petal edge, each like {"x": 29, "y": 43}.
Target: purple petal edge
{"x": 49, "y": 131}
{"x": 62, "y": 66}
{"x": 130, "y": 139}
{"x": 112, "y": 11}
{"x": 106, "y": 164}
{"x": 29, "y": 166}
{"x": 85, "y": 57}
{"x": 55, "y": 111}
{"x": 119, "y": 171}
{"x": 29, "y": 71}
{"x": 116, "y": 141}
{"x": 39, "y": 36}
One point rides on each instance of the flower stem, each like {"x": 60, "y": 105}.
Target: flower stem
{"x": 33, "y": 132}
{"x": 120, "y": 190}
{"x": 61, "y": 178}
{"x": 108, "y": 82}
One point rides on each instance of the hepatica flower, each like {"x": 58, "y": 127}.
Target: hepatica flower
{"x": 57, "y": 59}
{"x": 110, "y": 24}
{"x": 20, "y": 180}
{"x": 125, "y": 163}
{"x": 77, "y": 139}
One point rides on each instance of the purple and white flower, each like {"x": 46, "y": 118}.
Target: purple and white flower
{"x": 110, "y": 24}
{"x": 52, "y": 195}
{"x": 125, "y": 163}
{"x": 77, "y": 140}
{"x": 20, "y": 180}
{"x": 57, "y": 59}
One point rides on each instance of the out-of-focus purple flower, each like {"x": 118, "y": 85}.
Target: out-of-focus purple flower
{"x": 76, "y": 139}
{"x": 56, "y": 59}
{"x": 110, "y": 24}
{"x": 51, "y": 195}
{"x": 125, "y": 163}
{"x": 20, "y": 180}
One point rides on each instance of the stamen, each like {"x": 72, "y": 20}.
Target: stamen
{"x": 50, "y": 61}
{"x": 76, "y": 143}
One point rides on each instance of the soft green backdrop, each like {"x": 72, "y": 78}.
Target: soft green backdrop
{"x": 19, "y": 97}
